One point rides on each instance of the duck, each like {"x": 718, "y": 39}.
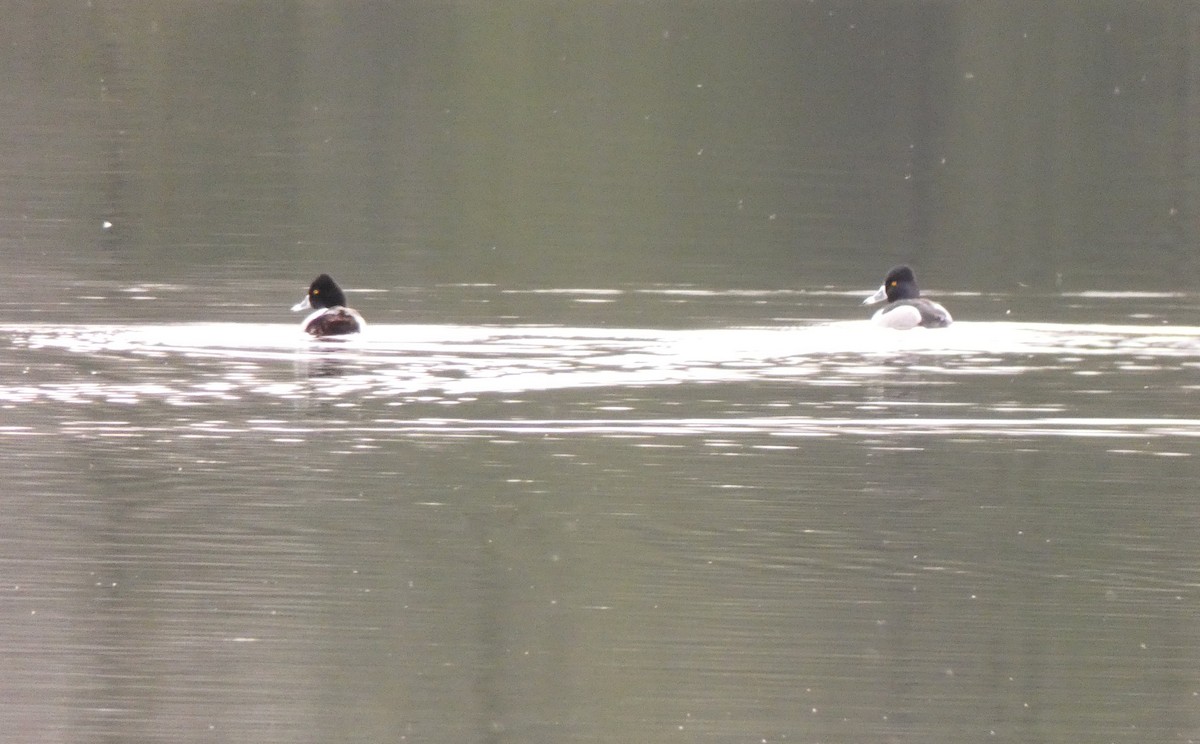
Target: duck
{"x": 906, "y": 307}
{"x": 332, "y": 317}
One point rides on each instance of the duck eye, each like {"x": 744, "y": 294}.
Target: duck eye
{"x": 894, "y": 282}
{"x": 317, "y": 291}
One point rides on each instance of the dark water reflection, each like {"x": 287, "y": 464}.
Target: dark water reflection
{"x": 796, "y": 531}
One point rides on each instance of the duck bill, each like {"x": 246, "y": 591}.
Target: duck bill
{"x": 879, "y": 296}
{"x": 302, "y": 305}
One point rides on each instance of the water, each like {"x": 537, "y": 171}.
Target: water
{"x": 790, "y": 531}
{"x": 619, "y": 457}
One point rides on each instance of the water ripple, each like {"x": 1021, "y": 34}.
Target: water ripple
{"x": 226, "y": 361}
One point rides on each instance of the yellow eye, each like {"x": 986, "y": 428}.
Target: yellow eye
{"x": 893, "y": 283}
{"x": 317, "y": 291}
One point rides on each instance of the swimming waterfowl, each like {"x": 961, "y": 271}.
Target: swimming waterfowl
{"x": 906, "y": 308}
{"x": 332, "y": 317}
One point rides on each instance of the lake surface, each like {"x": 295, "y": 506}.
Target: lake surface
{"x": 619, "y": 457}
{"x": 791, "y": 531}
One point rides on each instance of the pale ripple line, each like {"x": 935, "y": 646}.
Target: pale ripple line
{"x": 730, "y": 344}
{"x": 463, "y": 360}
{"x": 779, "y": 426}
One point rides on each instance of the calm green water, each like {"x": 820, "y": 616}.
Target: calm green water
{"x": 619, "y": 457}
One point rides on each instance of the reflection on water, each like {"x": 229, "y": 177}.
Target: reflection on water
{"x": 810, "y": 531}
{"x": 452, "y": 365}
{"x": 396, "y": 362}
{"x": 603, "y": 469}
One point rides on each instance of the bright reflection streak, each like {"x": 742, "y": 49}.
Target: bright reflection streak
{"x": 230, "y": 361}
